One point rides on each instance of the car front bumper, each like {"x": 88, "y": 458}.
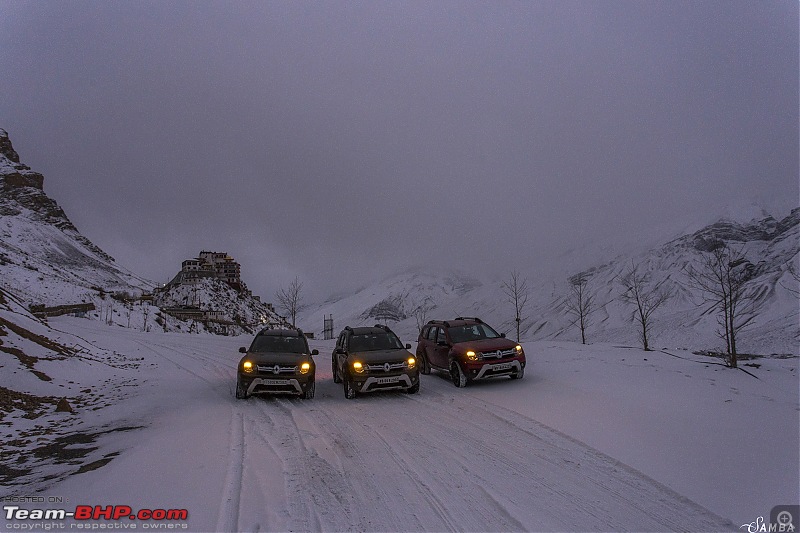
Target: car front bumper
{"x": 375, "y": 383}
{"x": 484, "y": 370}
{"x": 288, "y": 385}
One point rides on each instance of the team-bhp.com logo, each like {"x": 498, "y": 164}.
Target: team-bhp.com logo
{"x": 96, "y": 512}
{"x": 782, "y": 519}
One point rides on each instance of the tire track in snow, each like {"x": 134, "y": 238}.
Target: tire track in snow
{"x": 406, "y": 464}
{"x": 228, "y": 518}
{"x": 308, "y": 510}
{"x": 593, "y": 483}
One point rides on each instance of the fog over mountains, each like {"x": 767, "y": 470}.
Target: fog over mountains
{"x": 685, "y": 321}
{"x": 44, "y": 259}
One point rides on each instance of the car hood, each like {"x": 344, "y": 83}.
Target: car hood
{"x": 381, "y": 356}
{"x": 486, "y": 345}
{"x": 274, "y": 358}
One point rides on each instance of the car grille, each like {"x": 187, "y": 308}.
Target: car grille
{"x": 267, "y": 369}
{"x": 386, "y": 367}
{"x": 499, "y": 354}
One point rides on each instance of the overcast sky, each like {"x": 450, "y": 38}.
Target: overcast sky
{"x": 341, "y": 141}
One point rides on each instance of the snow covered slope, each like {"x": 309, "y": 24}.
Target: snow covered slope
{"x": 237, "y": 309}
{"x": 43, "y": 258}
{"x": 39, "y": 368}
{"x": 595, "y": 438}
{"x": 683, "y": 321}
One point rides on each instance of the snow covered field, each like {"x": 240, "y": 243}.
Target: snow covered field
{"x": 595, "y": 438}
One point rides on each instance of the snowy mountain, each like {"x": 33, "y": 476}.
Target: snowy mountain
{"x": 44, "y": 259}
{"x": 683, "y": 322}
{"x": 234, "y": 311}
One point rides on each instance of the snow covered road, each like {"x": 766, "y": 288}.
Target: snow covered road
{"x": 441, "y": 460}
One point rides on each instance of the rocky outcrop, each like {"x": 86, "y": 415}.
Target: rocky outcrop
{"x": 22, "y": 189}
{"x": 766, "y": 230}
{"x": 6, "y": 149}
{"x": 14, "y": 174}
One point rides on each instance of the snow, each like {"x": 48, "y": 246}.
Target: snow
{"x": 595, "y": 437}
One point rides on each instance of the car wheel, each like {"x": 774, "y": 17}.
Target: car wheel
{"x": 349, "y": 391}
{"x": 457, "y": 375}
{"x": 309, "y": 394}
{"x": 335, "y": 370}
{"x": 241, "y": 392}
{"x": 425, "y": 366}
{"x": 413, "y": 389}
{"x": 519, "y": 374}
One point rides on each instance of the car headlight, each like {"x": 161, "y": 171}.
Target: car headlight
{"x": 305, "y": 367}
{"x": 411, "y": 362}
{"x": 247, "y": 366}
{"x": 358, "y": 367}
{"x": 518, "y": 348}
{"x": 472, "y": 356}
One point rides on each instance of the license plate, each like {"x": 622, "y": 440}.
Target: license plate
{"x": 384, "y": 381}
{"x": 502, "y": 366}
{"x": 273, "y": 381}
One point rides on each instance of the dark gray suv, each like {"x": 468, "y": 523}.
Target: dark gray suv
{"x": 278, "y": 361}
{"x": 372, "y": 359}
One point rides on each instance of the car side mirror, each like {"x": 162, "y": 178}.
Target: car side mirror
{"x": 408, "y": 346}
{"x": 503, "y": 335}
{"x": 441, "y": 343}
{"x": 339, "y": 351}
{"x": 314, "y": 352}
{"x": 242, "y": 350}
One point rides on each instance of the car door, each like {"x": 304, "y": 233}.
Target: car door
{"x": 440, "y": 348}
{"x": 427, "y": 344}
{"x": 337, "y": 352}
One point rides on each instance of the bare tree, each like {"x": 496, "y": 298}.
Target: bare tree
{"x": 516, "y": 290}
{"x": 420, "y": 312}
{"x": 645, "y": 297}
{"x": 290, "y": 300}
{"x": 721, "y": 277}
{"x": 579, "y": 303}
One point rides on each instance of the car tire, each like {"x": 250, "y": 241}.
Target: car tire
{"x": 457, "y": 375}
{"x": 241, "y": 392}
{"x": 425, "y": 366}
{"x": 335, "y": 370}
{"x": 413, "y": 389}
{"x": 309, "y": 394}
{"x": 349, "y": 391}
{"x": 520, "y": 374}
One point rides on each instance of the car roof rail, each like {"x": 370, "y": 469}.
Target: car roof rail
{"x": 476, "y": 319}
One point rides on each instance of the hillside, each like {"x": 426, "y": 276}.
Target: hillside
{"x": 683, "y": 322}
{"x": 236, "y": 311}
{"x": 44, "y": 259}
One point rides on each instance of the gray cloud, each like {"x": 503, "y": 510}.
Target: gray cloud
{"x": 330, "y": 140}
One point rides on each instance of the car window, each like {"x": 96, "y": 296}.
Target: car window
{"x": 275, "y": 343}
{"x": 374, "y": 341}
{"x": 472, "y": 332}
{"x": 431, "y": 333}
{"x": 440, "y": 336}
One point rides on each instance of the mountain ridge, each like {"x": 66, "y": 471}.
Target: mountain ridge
{"x": 770, "y": 244}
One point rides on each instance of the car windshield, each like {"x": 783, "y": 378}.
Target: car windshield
{"x": 276, "y": 343}
{"x": 472, "y": 332}
{"x": 374, "y": 341}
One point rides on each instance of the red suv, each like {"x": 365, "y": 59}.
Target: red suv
{"x": 468, "y": 349}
